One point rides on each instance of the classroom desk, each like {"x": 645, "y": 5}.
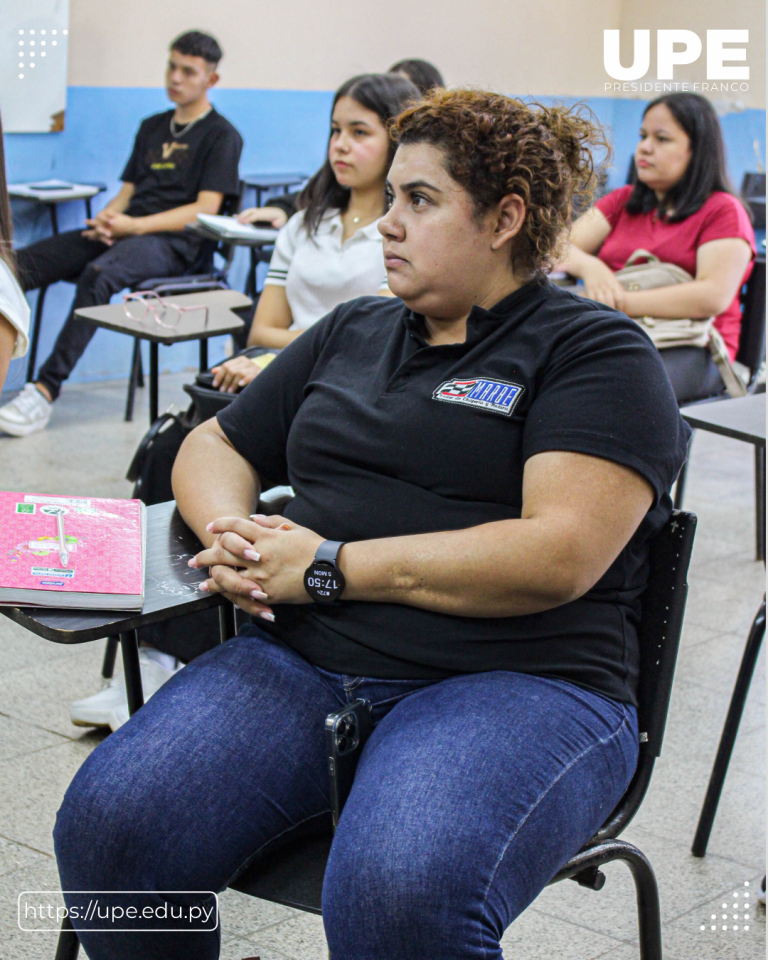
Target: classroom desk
{"x": 743, "y": 419}
{"x": 262, "y": 182}
{"x": 192, "y": 326}
{"x": 254, "y": 246}
{"x": 170, "y": 590}
{"x": 51, "y": 198}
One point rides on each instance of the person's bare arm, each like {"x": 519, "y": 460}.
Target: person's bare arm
{"x": 99, "y": 225}
{"x": 578, "y": 514}
{"x": 8, "y": 336}
{"x": 269, "y": 329}
{"x": 272, "y": 319}
{"x": 209, "y": 476}
{"x": 720, "y": 267}
{"x": 121, "y": 225}
{"x": 210, "y": 479}
{"x": 587, "y": 236}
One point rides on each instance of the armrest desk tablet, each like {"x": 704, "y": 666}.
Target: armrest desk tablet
{"x": 170, "y": 590}
{"x": 201, "y": 324}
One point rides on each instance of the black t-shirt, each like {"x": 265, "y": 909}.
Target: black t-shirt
{"x": 382, "y": 435}
{"x": 169, "y": 172}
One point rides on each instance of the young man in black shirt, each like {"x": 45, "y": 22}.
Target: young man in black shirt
{"x": 184, "y": 162}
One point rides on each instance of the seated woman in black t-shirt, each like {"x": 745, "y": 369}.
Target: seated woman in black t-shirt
{"x": 484, "y": 462}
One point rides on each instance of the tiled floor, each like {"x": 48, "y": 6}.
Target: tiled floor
{"x": 87, "y": 449}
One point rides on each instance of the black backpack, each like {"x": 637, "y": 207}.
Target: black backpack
{"x": 151, "y": 466}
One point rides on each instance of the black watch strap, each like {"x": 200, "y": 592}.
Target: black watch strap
{"x": 329, "y": 550}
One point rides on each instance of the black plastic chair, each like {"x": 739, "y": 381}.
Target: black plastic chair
{"x": 203, "y": 275}
{"x": 293, "y": 874}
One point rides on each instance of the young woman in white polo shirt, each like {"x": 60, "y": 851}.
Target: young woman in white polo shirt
{"x": 331, "y": 250}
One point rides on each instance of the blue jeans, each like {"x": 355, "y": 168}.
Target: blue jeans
{"x": 468, "y": 797}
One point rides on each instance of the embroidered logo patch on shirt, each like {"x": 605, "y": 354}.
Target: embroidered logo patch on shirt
{"x": 497, "y": 395}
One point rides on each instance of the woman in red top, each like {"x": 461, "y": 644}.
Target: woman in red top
{"x": 682, "y": 208}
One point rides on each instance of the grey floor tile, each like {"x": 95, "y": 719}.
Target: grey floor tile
{"x": 300, "y": 938}
{"x": 19, "y": 648}
{"x": 17, "y": 944}
{"x": 695, "y": 723}
{"x": 722, "y": 606}
{"x": 18, "y": 738}
{"x": 538, "y": 936}
{"x": 685, "y": 882}
{"x": 671, "y": 809}
{"x": 239, "y": 949}
{"x": 87, "y": 446}
{"x": 242, "y": 916}
{"x": 31, "y": 790}
{"x": 14, "y": 856}
{"x": 685, "y": 933}
{"x": 631, "y": 951}
{"x": 693, "y": 635}
{"x": 42, "y": 694}
{"x": 714, "y": 663}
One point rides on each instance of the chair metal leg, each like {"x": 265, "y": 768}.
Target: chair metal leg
{"x": 133, "y": 379}
{"x": 226, "y": 621}
{"x": 728, "y": 738}
{"x": 68, "y": 946}
{"x": 108, "y": 664}
{"x": 760, "y": 503}
{"x": 32, "y": 359}
{"x": 154, "y": 381}
{"x": 646, "y": 888}
{"x": 682, "y": 477}
{"x": 129, "y": 643}
{"x": 203, "y": 355}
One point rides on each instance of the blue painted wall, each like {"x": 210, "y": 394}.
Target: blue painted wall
{"x": 283, "y": 130}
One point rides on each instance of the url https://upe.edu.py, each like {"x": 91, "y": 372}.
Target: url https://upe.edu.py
{"x": 171, "y": 911}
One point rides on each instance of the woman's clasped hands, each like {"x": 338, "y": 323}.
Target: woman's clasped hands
{"x": 256, "y": 562}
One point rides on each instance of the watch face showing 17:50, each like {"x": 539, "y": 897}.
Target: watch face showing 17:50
{"x": 323, "y": 582}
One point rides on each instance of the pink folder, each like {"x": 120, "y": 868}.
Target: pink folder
{"x": 104, "y": 541}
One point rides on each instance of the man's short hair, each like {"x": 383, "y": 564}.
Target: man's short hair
{"x": 193, "y": 43}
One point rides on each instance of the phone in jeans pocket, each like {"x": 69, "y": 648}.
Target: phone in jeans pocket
{"x": 345, "y": 734}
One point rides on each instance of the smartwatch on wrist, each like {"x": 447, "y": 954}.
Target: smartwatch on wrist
{"x": 323, "y": 580}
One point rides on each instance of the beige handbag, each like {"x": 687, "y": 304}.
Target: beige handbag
{"x": 677, "y": 333}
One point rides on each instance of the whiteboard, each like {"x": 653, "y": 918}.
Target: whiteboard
{"x": 33, "y": 64}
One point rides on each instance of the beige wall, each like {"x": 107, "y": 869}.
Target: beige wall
{"x": 543, "y": 47}
{"x": 700, "y": 16}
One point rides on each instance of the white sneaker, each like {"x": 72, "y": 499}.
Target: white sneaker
{"x": 97, "y": 710}
{"x": 26, "y": 413}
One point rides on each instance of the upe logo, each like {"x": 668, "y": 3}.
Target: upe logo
{"x": 677, "y": 47}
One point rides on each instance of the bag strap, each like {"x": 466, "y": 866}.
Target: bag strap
{"x": 733, "y": 382}
{"x": 641, "y": 255}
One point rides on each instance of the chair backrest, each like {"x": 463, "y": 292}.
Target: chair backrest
{"x": 752, "y": 337}
{"x": 661, "y": 623}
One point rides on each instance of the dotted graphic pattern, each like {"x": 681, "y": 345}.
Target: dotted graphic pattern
{"x": 735, "y": 913}
{"x": 34, "y": 45}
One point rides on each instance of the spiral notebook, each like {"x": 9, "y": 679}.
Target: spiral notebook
{"x": 72, "y": 552}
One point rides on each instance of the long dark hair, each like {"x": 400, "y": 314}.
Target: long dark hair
{"x": 706, "y": 172}
{"x": 6, "y": 224}
{"x": 386, "y": 95}
{"x": 422, "y": 73}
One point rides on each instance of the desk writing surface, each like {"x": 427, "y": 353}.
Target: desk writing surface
{"x": 202, "y": 231}
{"x": 78, "y": 191}
{"x": 741, "y": 418}
{"x": 273, "y": 179}
{"x": 170, "y": 588}
{"x": 191, "y": 325}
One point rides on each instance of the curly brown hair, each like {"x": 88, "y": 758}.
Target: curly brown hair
{"x": 496, "y": 145}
